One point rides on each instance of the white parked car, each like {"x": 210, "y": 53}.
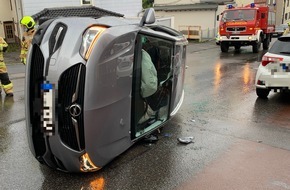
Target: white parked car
{"x": 274, "y": 70}
{"x": 279, "y": 30}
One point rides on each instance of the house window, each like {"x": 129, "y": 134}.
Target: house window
{"x": 86, "y": 2}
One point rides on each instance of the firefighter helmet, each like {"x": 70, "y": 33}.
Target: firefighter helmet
{"x": 28, "y": 22}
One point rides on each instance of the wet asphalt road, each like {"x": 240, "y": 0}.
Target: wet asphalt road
{"x": 240, "y": 141}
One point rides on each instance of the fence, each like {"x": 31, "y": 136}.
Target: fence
{"x": 191, "y": 32}
{"x": 196, "y": 33}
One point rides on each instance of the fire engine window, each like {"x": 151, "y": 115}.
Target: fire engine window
{"x": 86, "y": 2}
{"x": 263, "y": 15}
{"x": 240, "y": 15}
{"x": 249, "y": 14}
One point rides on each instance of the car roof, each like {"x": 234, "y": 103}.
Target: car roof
{"x": 281, "y": 46}
{"x": 284, "y": 37}
{"x": 282, "y": 26}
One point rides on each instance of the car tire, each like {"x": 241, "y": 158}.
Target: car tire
{"x": 256, "y": 46}
{"x": 262, "y": 93}
{"x": 224, "y": 47}
{"x": 266, "y": 43}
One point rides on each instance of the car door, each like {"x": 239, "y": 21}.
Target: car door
{"x": 150, "y": 111}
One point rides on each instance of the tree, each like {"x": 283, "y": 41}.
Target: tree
{"x": 147, "y": 3}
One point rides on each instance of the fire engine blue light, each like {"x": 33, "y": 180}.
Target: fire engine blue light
{"x": 230, "y": 6}
{"x": 252, "y": 5}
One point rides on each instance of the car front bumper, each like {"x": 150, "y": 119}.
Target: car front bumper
{"x": 244, "y": 38}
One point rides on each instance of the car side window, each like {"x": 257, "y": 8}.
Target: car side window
{"x": 153, "y": 57}
{"x": 160, "y": 51}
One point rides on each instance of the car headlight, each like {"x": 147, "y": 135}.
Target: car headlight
{"x": 89, "y": 39}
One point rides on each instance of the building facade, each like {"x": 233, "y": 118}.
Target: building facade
{"x": 174, "y": 2}
{"x": 203, "y": 13}
{"x": 277, "y": 4}
{"x": 196, "y": 17}
{"x": 11, "y": 11}
{"x": 286, "y": 13}
{"x": 278, "y": 7}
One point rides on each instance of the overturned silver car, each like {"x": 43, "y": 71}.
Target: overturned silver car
{"x": 83, "y": 82}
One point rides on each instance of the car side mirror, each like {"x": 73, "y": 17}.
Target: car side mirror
{"x": 148, "y": 17}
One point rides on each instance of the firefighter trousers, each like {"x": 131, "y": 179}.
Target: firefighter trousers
{"x": 6, "y": 84}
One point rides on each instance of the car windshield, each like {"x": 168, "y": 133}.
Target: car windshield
{"x": 281, "y": 27}
{"x": 281, "y": 46}
{"x": 239, "y": 15}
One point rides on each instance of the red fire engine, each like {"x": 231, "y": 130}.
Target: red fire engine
{"x": 244, "y": 26}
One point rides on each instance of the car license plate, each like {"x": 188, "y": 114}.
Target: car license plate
{"x": 47, "y": 119}
{"x": 281, "y": 67}
{"x": 285, "y": 67}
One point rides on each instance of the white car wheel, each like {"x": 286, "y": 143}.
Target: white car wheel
{"x": 262, "y": 93}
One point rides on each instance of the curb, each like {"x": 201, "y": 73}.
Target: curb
{"x": 17, "y": 76}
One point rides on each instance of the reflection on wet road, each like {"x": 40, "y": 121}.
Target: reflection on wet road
{"x": 232, "y": 86}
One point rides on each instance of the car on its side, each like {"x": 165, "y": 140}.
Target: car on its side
{"x": 83, "y": 91}
{"x": 279, "y": 30}
{"x": 274, "y": 70}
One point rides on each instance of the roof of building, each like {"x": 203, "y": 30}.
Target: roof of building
{"x": 80, "y": 11}
{"x": 218, "y": 1}
{"x": 188, "y": 7}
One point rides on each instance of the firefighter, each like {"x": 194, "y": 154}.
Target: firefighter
{"x": 6, "y": 84}
{"x": 287, "y": 29}
{"x": 28, "y": 23}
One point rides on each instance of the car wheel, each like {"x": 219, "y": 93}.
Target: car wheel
{"x": 266, "y": 43}
{"x": 224, "y": 47}
{"x": 262, "y": 93}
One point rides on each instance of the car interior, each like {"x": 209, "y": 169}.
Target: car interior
{"x": 160, "y": 51}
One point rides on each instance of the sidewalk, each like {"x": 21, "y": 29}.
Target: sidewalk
{"x": 12, "y": 57}
{"x": 16, "y": 69}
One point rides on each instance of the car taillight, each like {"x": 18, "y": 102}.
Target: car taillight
{"x": 266, "y": 60}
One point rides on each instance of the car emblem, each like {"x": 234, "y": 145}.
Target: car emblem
{"x": 75, "y": 110}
